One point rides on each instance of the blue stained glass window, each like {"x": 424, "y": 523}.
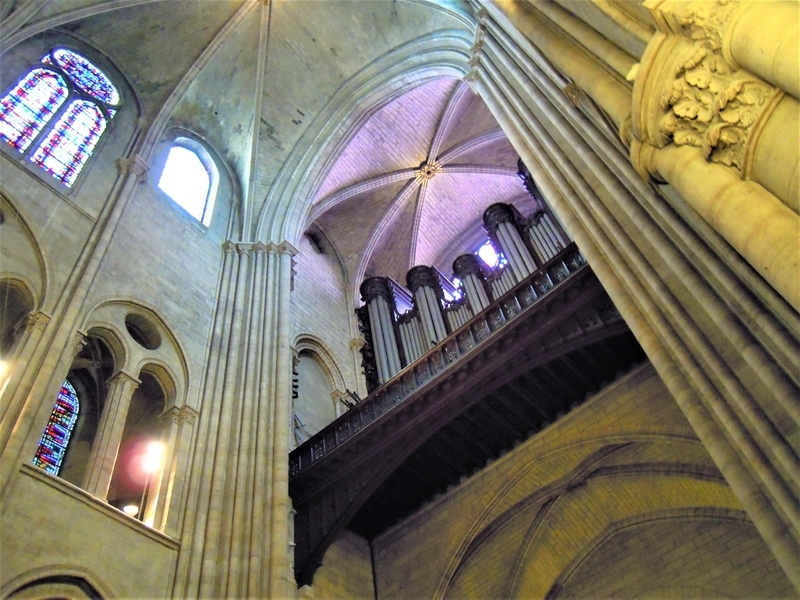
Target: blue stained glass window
{"x": 29, "y": 106}
{"x": 70, "y": 143}
{"x": 86, "y": 76}
{"x": 53, "y": 445}
{"x": 40, "y": 98}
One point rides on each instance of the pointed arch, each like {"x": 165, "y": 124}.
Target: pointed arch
{"x": 442, "y": 53}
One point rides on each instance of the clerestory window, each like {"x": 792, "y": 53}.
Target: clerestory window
{"x": 190, "y": 178}
{"x": 57, "y": 112}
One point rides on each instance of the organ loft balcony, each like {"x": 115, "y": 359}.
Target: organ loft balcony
{"x": 454, "y": 384}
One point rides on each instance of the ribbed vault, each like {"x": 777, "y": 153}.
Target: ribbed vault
{"x": 411, "y": 184}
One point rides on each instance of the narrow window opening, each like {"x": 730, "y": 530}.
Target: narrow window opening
{"x": 190, "y": 180}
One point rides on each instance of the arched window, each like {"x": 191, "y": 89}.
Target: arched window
{"x": 60, "y": 110}
{"x": 53, "y": 445}
{"x": 190, "y": 178}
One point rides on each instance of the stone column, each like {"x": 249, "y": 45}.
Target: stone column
{"x": 164, "y": 504}
{"x": 106, "y": 444}
{"x": 355, "y": 346}
{"x": 723, "y": 341}
{"x": 610, "y": 92}
{"x": 18, "y": 369}
{"x": 688, "y": 96}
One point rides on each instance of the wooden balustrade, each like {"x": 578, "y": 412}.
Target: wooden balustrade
{"x": 455, "y": 346}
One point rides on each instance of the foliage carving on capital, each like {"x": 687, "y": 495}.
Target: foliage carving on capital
{"x": 711, "y": 106}
{"x": 706, "y": 21}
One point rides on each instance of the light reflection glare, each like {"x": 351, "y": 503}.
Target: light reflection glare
{"x": 185, "y": 180}
{"x": 488, "y": 255}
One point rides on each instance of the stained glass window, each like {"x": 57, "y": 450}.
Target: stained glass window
{"x": 26, "y": 113}
{"x": 86, "y": 76}
{"x": 70, "y": 143}
{"x": 29, "y": 106}
{"x": 53, "y": 445}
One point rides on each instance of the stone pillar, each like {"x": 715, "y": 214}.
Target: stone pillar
{"x": 688, "y": 95}
{"x": 721, "y": 338}
{"x": 361, "y": 384}
{"x": 109, "y": 434}
{"x": 235, "y": 537}
{"x": 18, "y": 370}
{"x": 586, "y": 70}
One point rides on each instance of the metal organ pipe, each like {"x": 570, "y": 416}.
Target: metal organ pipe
{"x": 378, "y": 296}
{"x": 377, "y": 341}
{"x": 467, "y": 268}
{"x": 422, "y": 281}
{"x": 390, "y": 340}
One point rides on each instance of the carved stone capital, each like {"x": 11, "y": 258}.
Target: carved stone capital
{"x": 122, "y": 378}
{"x": 171, "y": 415}
{"x": 708, "y": 22}
{"x": 135, "y": 165}
{"x": 228, "y": 247}
{"x": 244, "y": 249}
{"x": 688, "y": 94}
{"x": 357, "y": 343}
{"x": 287, "y": 248}
{"x": 259, "y": 248}
{"x": 78, "y": 342}
{"x": 188, "y": 414}
{"x": 36, "y": 321}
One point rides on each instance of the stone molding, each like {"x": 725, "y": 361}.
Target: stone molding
{"x": 122, "y": 377}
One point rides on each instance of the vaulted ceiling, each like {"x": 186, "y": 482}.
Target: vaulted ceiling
{"x": 411, "y": 185}
{"x": 268, "y": 84}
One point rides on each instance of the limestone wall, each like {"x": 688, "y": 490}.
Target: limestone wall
{"x": 572, "y": 510}
{"x": 67, "y": 532}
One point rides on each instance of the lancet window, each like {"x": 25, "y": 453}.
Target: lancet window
{"x": 57, "y": 112}
{"x": 53, "y": 445}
